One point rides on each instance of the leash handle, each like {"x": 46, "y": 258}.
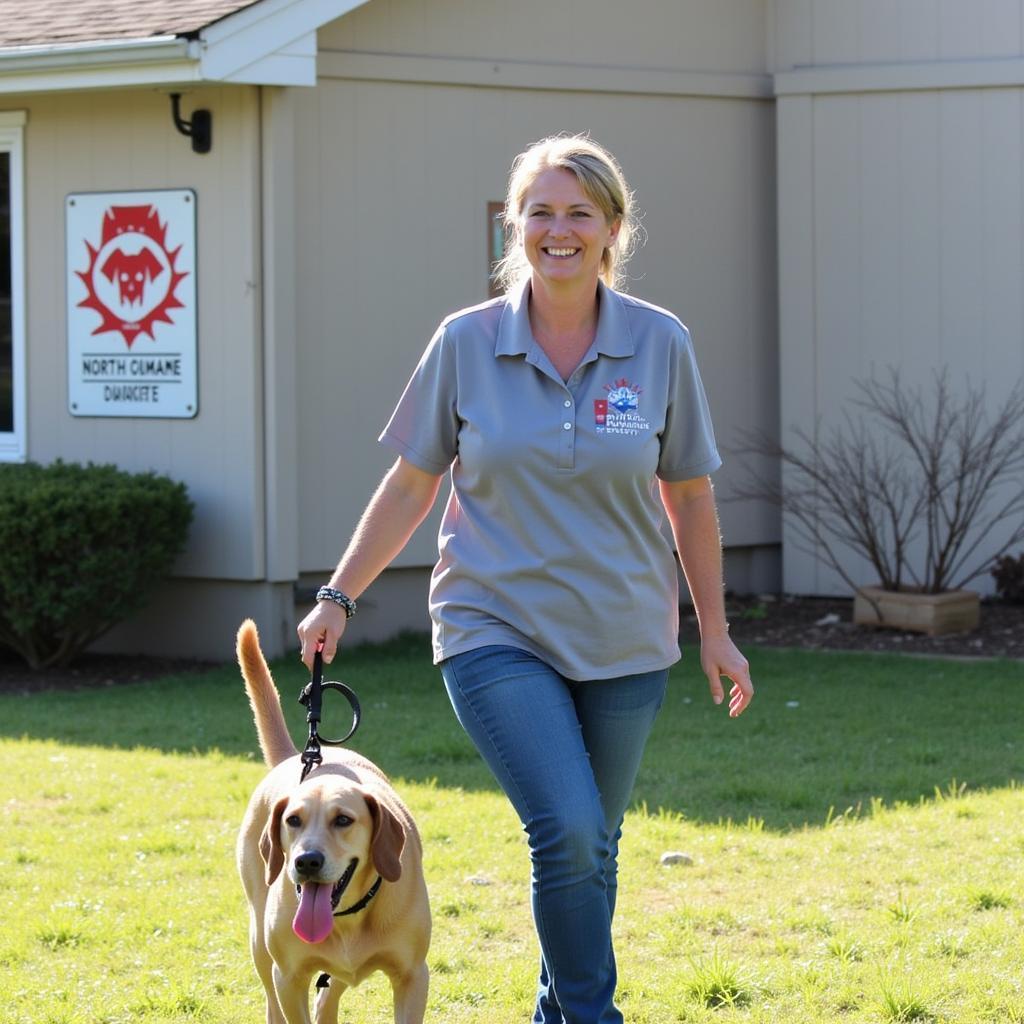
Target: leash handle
{"x": 311, "y": 698}
{"x": 314, "y": 689}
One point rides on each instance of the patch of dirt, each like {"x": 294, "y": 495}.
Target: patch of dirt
{"x": 819, "y": 623}
{"x": 810, "y": 623}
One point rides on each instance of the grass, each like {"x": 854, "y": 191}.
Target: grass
{"x": 716, "y": 983}
{"x": 854, "y": 844}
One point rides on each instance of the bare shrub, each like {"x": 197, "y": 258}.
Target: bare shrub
{"x": 942, "y": 468}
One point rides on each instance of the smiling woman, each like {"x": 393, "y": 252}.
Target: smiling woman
{"x": 572, "y": 420}
{"x": 600, "y": 188}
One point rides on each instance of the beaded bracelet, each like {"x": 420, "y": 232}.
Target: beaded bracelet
{"x": 346, "y": 602}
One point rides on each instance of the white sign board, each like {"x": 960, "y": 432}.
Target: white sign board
{"x": 131, "y": 293}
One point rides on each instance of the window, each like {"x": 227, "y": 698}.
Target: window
{"x": 12, "y": 293}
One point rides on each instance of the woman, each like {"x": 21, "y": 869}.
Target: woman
{"x": 570, "y": 416}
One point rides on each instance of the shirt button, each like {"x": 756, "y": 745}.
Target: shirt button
{"x": 568, "y": 403}
{"x": 567, "y": 426}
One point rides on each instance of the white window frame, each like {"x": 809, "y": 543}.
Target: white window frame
{"x": 14, "y": 443}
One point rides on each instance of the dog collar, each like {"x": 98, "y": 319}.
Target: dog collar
{"x": 342, "y": 885}
{"x": 361, "y": 905}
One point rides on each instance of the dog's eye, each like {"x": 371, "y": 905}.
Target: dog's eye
{"x": 293, "y": 821}
{"x": 342, "y": 821}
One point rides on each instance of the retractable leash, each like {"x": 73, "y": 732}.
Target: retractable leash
{"x": 311, "y": 699}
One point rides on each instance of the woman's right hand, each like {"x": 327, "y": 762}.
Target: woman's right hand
{"x": 325, "y": 622}
{"x": 398, "y": 506}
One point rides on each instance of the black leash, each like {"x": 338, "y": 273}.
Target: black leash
{"x": 312, "y": 699}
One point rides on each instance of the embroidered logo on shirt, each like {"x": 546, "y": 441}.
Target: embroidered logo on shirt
{"x": 619, "y": 412}
{"x": 623, "y": 395}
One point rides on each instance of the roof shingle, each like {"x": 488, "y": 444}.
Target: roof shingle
{"x": 48, "y": 22}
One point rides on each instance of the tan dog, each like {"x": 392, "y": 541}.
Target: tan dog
{"x": 309, "y": 853}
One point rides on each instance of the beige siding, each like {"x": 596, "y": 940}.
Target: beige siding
{"x": 119, "y": 141}
{"x": 809, "y": 33}
{"x": 392, "y": 192}
{"x": 697, "y": 35}
{"x": 901, "y": 246}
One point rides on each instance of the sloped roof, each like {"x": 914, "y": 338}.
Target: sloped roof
{"x": 53, "y": 22}
{"x": 59, "y": 45}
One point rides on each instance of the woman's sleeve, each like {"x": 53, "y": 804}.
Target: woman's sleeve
{"x": 424, "y": 428}
{"x": 688, "y": 446}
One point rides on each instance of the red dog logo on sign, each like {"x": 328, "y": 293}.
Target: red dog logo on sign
{"x": 132, "y": 279}
{"x": 130, "y": 267}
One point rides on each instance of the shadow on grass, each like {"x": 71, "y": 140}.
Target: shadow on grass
{"x": 826, "y": 731}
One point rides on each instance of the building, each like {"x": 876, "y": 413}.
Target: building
{"x": 829, "y": 185}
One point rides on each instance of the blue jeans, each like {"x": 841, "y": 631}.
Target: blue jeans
{"x": 566, "y": 754}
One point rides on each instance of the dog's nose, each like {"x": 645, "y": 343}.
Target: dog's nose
{"x": 309, "y": 863}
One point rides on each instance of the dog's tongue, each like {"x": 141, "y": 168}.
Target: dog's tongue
{"x": 314, "y": 919}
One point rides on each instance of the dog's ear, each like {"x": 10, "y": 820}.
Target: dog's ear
{"x": 270, "y": 842}
{"x": 388, "y": 839}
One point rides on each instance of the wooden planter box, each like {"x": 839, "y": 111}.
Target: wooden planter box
{"x": 956, "y": 611}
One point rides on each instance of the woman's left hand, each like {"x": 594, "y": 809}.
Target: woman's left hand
{"x": 719, "y": 656}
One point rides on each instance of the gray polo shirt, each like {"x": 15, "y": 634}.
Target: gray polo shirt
{"x": 551, "y": 539}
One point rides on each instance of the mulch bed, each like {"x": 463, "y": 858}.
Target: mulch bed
{"x": 820, "y": 623}
{"x": 810, "y": 623}
{"x": 91, "y": 671}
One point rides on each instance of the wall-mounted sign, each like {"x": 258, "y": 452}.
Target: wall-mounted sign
{"x": 131, "y": 288}
{"x": 495, "y": 244}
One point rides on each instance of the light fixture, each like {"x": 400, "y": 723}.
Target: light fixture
{"x": 199, "y": 129}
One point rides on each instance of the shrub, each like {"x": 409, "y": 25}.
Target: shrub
{"x": 945, "y": 468}
{"x": 1009, "y": 576}
{"x": 80, "y": 547}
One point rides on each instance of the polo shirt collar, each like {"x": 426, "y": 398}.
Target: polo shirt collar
{"x": 515, "y": 338}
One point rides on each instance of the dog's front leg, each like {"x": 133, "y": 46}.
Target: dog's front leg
{"x": 293, "y": 995}
{"x": 264, "y": 964}
{"x": 410, "y": 992}
{"x": 325, "y": 1005}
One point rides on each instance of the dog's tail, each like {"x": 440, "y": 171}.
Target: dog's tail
{"x": 275, "y": 741}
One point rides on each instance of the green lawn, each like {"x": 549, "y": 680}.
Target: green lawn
{"x": 855, "y": 839}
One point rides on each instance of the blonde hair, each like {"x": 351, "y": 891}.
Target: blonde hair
{"x": 602, "y": 181}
